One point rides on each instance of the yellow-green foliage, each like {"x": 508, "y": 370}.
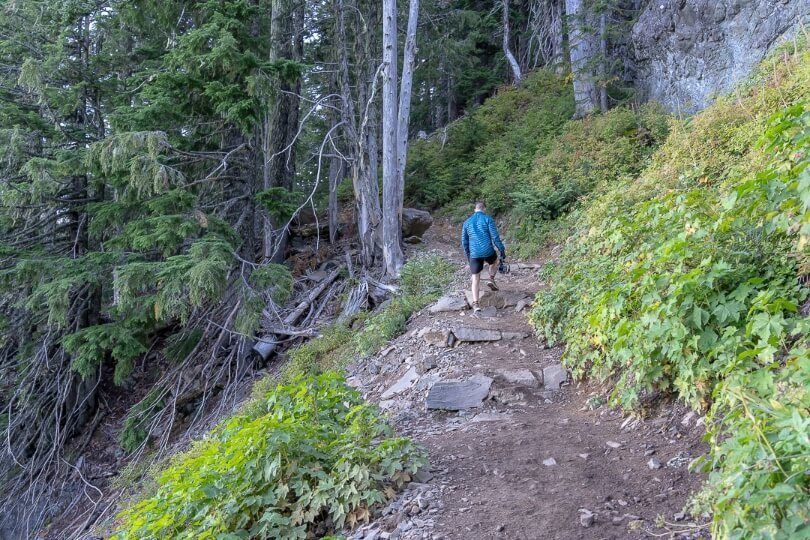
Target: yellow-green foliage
{"x": 483, "y": 154}
{"x": 311, "y": 452}
{"x": 684, "y": 280}
{"x": 587, "y": 153}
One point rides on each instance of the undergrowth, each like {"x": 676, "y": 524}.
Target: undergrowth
{"x": 305, "y": 455}
{"x": 522, "y": 155}
{"x": 308, "y": 458}
{"x": 686, "y": 279}
{"x": 422, "y": 280}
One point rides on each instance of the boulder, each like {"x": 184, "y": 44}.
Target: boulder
{"x": 456, "y": 395}
{"x": 554, "y": 376}
{"x": 415, "y": 222}
{"x": 448, "y": 303}
{"x": 471, "y": 334}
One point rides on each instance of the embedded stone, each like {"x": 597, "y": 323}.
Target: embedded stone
{"x": 455, "y": 395}
{"x": 471, "y": 334}
{"x": 554, "y": 376}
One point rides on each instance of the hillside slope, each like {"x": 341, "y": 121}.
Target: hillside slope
{"x": 684, "y": 269}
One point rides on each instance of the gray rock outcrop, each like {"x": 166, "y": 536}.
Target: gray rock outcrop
{"x": 689, "y": 51}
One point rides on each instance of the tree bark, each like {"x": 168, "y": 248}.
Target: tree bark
{"x": 603, "y": 97}
{"x": 517, "y": 75}
{"x": 366, "y": 192}
{"x": 582, "y": 49}
{"x": 392, "y": 199}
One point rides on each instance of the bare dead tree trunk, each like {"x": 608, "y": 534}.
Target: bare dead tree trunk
{"x": 582, "y": 50}
{"x": 517, "y": 75}
{"x": 406, "y": 87}
{"x": 392, "y": 200}
{"x": 365, "y": 186}
{"x": 603, "y": 97}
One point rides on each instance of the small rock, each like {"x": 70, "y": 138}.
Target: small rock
{"x": 654, "y": 464}
{"x": 680, "y": 516}
{"x": 554, "y": 376}
{"x": 586, "y": 517}
{"x": 550, "y": 462}
{"x": 584, "y": 456}
{"x": 448, "y": 303}
{"x": 614, "y": 444}
{"x": 423, "y": 476}
{"x": 501, "y": 528}
{"x": 521, "y": 305}
{"x": 618, "y": 520}
{"x": 404, "y": 382}
{"x": 687, "y": 418}
{"x": 523, "y": 377}
{"x": 488, "y": 312}
{"x": 439, "y": 338}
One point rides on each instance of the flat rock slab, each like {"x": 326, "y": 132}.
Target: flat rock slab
{"x": 523, "y": 377}
{"x": 491, "y": 417}
{"x": 514, "y": 335}
{"x": 471, "y": 334}
{"x": 554, "y": 376}
{"x": 404, "y": 382}
{"x": 439, "y": 338}
{"x": 455, "y": 395}
{"x": 496, "y": 299}
{"x": 449, "y": 303}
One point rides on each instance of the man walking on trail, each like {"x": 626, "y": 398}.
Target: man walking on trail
{"x": 479, "y": 238}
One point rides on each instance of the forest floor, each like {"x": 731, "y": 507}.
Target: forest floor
{"x": 532, "y": 459}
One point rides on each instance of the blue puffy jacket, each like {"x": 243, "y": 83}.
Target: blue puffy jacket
{"x": 478, "y": 235}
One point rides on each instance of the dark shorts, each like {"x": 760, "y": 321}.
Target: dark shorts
{"x": 477, "y": 264}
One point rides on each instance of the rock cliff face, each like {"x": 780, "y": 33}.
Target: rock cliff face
{"x": 688, "y": 51}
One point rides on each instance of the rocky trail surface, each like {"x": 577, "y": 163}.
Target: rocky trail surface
{"x": 516, "y": 449}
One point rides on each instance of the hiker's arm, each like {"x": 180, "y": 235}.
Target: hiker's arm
{"x": 465, "y": 240}
{"x": 496, "y": 238}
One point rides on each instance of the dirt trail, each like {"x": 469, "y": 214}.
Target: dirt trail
{"x": 531, "y": 461}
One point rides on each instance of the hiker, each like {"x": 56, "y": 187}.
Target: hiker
{"x": 479, "y": 238}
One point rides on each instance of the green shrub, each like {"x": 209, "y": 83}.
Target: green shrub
{"x": 314, "y": 451}
{"x": 484, "y": 154}
{"x": 684, "y": 280}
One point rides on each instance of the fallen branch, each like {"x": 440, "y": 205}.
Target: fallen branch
{"x": 265, "y": 346}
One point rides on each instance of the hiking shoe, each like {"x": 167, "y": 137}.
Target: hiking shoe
{"x": 476, "y": 308}
{"x": 492, "y": 286}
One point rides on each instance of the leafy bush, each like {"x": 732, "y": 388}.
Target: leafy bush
{"x": 313, "y": 452}
{"x": 484, "y": 154}
{"x": 685, "y": 280}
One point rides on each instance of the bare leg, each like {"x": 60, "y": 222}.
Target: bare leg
{"x": 492, "y": 271}
{"x": 476, "y": 281}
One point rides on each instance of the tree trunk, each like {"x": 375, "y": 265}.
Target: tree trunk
{"x": 366, "y": 192}
{"x": 392, "y": 199}
{"x": 281, "y": 119}
{"x": 603, "y": 97}
{"x": 513, "y": 63}
{"x": 582, "y": 49}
